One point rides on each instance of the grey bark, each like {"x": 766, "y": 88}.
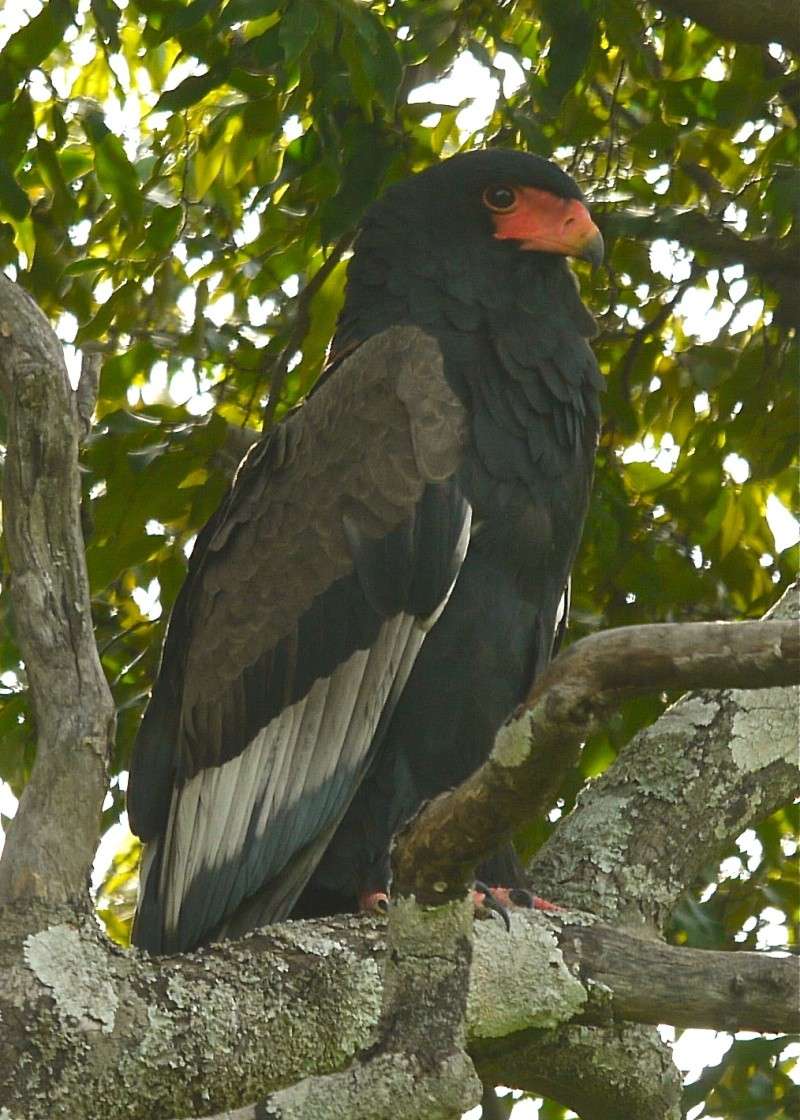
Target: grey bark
{"x": 93, "y": 1031}
{"x": 711, "y": 766}
{"x": 52, "y": 840}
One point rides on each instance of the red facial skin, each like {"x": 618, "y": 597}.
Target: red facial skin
{"x": 542, "y": 221}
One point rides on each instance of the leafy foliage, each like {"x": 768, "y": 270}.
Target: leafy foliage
{"x": 179, "y": 182}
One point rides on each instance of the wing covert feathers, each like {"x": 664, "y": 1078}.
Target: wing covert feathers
{"x": 381, "y": 428}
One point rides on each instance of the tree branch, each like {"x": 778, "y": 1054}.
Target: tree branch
{"x": 51, "y": 842}
{"x": 643, "y": 980}
{"x": 436, "y": 855}
{"x": 88, "y": 388}
{"x": 744, "y": 21}
{"x": 775, "y": 260}
{"x": 712, "y": 765}
{"x": 624, "y": 853}
{"x": 610, "y": 1074}
{"x": 124, "y": 1035}
{"x": 301, "y": 324}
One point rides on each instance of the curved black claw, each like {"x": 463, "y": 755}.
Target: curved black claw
{"x": 490, "y": 902}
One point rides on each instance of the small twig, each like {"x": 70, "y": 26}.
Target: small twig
{"x": 651, "y": 327}
{"x": 612, "y": 121}
{"x": 300, "y": 327}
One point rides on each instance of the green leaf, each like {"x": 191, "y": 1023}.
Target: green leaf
{"x": 192, "y": 89}
{"x": 369, "y": 160}
{"x": 259, "y": 54}
{"x": 115, "y": 173}
{"x": 16, "y": 127}
{"x": 372, "y": 53}
{"x": 181, "y": 19}
{"x": 13, "y": 199}
{"x": 88, "y": 265}
{"x": 50, "y": 169}
{"x": 164, "y": 224}
{"x": 33, "y": 43}
{"x": 297, "y": 27}
{"x": 107, "y": 16}
{"x": 239, "y": 11}
{"x": 117, "y": 374}
{"x": 75, "y": 161}
{"x": 102, "y": 319}
{"x": 207, "y": 165}
{"x": 572, "y": 33}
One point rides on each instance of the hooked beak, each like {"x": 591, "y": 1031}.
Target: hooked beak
{"x": 593, "y": 249}
{"x": 543, "y": 222}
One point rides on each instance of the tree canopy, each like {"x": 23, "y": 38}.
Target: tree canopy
{"x": 179, "y": 187}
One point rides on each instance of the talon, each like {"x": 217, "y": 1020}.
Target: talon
{"x": 500, "y": 900}
{"x": 487, "y": 899}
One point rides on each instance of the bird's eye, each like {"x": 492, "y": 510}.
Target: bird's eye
{"x": 501, "y": 199}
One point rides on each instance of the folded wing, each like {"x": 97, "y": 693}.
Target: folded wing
{"x": 306, "y": 602}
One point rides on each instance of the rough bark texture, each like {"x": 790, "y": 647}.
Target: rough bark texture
{"x": 92, "y": 1031}
{"x": 52, "y": 841}
{"x": 711, "y": 766}
{"x": 680, "y": 792}
{"x": 619, "y": 1073}
{"x": 643, "y": 980}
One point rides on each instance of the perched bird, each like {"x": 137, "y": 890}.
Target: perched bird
{"x": 389, "y": 570}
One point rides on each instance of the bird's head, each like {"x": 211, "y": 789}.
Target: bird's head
{"x": 506, "y": 196}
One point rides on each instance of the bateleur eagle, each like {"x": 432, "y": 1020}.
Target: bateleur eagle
{"x": 389, "y": 570}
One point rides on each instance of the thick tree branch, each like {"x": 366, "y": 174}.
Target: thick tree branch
{"x": 384, "y": 1088}
{"x": 617, "y": 1073}
{"x": 645, "y": 981}
{"x": 51, "y": 843}
{"x": 418, "y": 1067}
{"x": 744, "y": 21}
{"x": 766, "y": 256}
{"x": 714, "y": 764}
{"x": 435, "y": 857}
{"x": 123, "y": 1035}
{"x": 634, "y": 842}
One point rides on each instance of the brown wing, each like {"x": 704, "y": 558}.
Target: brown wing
{"x": 299, "y": 621}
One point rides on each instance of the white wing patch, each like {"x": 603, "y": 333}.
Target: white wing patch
{"x": 236, "y": 824}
